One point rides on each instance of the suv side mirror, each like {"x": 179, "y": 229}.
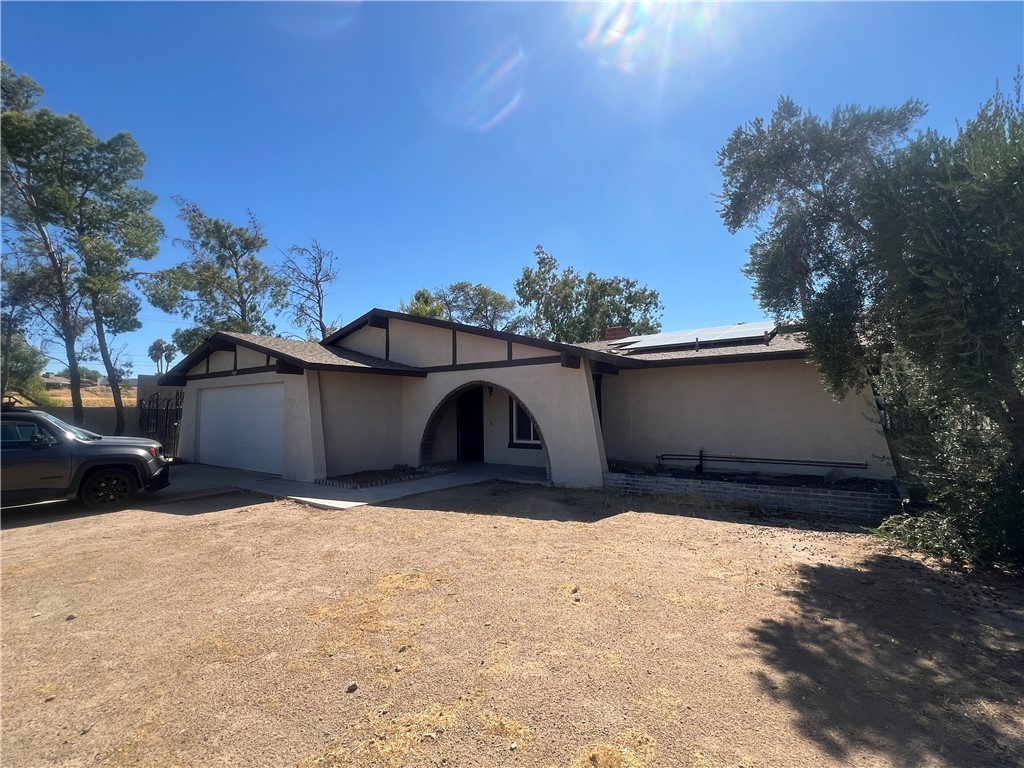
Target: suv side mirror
{"x": 39, "y": 440}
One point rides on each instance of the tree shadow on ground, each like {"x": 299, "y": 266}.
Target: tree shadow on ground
{"x": 895, "y": 658}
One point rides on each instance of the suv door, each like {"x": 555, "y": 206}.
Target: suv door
{"x": 36, "y": 461}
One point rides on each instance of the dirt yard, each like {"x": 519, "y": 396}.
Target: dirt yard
{"x": 493, "y": 625}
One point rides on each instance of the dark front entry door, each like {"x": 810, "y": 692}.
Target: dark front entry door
{"x": 470, "y": 418}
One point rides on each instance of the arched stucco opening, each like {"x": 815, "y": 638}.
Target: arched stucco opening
{"x": 436, "y": 444}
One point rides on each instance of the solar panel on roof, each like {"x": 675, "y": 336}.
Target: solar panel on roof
{"x": 737, "y": 332}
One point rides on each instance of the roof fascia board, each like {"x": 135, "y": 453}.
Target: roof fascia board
{"x": 789, "y": 354}
{"x": 530, "y": 341}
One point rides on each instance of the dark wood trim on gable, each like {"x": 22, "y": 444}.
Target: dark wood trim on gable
{"x": 455, "y": 347}
{"x": 378, "y": 318}
{"x": 283, "y": 366}
{"x": 547, "y": 360}
{"x": 509, "y": 351}
{"x": 236, "y": 372}
{"x": 570, "y": 361}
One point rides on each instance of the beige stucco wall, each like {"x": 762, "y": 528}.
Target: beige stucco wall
{"x": 369, "y": 341}
{"x": 250, "y": 358}
{"x": 496, "y": 450}
{"x": 520, "y": 351}
{"x": 362, "y": 421}
{"x": 472, "y": 348}
{"x": 420, "y": 345}
{"x": 770, "y": 409}
{"x": 303, "y": 434}
{"x": 446, "y": 442}
{"x": 222, "y": 360}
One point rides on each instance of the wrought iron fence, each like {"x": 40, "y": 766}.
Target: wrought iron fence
{"x": 160, "y": 419}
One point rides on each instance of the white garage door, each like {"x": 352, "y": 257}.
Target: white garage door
{"x": 243, "y": 427}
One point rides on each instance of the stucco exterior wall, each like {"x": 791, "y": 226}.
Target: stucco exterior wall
{"x": 770, "y": 409}
{"x": 222, "y": 361}
{"x": 520, "y": 351}
{"x": 420, "y": 345}
{"x": 472, "y": 348}
{"x": 496, "y": 433}
{"x": 369, "y": 341}
{"x": 250, "y": 358}
{"x": 362, "y": 422}
{"x": 446, "y": 443}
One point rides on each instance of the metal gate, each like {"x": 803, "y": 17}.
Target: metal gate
{"x": 160, "y": 420}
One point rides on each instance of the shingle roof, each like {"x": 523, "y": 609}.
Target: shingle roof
{"x": 310, "y": 354}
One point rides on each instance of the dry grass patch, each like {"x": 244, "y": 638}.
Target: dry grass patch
{"x": 686, "y": 600}
{"x": 392, "y": 742}
{"x": 227, "y": 649}
{"x": 631, "y": 749}
{"x": 508, "y": 729}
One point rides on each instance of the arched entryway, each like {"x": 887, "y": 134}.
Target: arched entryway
{"x": 483, "y": 422}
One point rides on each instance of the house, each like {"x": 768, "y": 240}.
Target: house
{"x": 61, "y": 382}
{"x": 391, "y": 388}
{"x": 55, "y": 382}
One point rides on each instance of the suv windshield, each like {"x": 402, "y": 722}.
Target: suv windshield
{"x": 82, "y": 434}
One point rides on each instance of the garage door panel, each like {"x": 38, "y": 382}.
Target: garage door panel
{"x": 243, "y": 427}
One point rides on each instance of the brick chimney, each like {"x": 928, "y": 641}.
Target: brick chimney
{"x": 615, "y": 332}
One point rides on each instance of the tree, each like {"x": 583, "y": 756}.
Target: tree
{"x": 308, "y": 272}
{"x": 570, "y": 307}
{"x": 224, "y": 286}
{"x": 162, "y": 353}
{"x": 468, "y": 303}
{"x": 888, "y": 247}
{"x": 424, "y": 304}
{"x": 75, "y": 208}
{"x": 476, "y": 304}
{"x": 806, "y": 180}
{"x": 18, "y": 93}
{"x": 22, "y": 366}
{"x": 87, "y": 373}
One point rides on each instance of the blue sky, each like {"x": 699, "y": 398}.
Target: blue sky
{"x": 428, "y": 143}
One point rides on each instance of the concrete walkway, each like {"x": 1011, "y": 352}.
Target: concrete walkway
{"x": 197, "y": 480}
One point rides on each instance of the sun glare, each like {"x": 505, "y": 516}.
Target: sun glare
{"x": 638, "y": 37}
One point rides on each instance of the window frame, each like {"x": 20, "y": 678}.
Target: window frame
{"x": 514, "y": 408}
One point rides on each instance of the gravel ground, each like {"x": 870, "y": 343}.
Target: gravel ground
{"x": 494, "y": 625}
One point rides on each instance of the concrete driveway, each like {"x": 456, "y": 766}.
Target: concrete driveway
{"x": 195, "y": 480}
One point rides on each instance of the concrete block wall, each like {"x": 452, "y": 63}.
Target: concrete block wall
{"x": 101, "y": 419}
{"x": 827, "y": 502}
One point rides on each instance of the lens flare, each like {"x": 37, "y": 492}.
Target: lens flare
{"x": 634, "y": 37}
{"x": 478, "y": 94}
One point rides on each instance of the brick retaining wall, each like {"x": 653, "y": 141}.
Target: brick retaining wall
{"x": 828, "y": 502}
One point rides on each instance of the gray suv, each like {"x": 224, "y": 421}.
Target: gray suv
{"x": 43, "y": 458}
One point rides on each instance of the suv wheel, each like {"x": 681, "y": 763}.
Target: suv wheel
{"x": 108, "y": 488}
